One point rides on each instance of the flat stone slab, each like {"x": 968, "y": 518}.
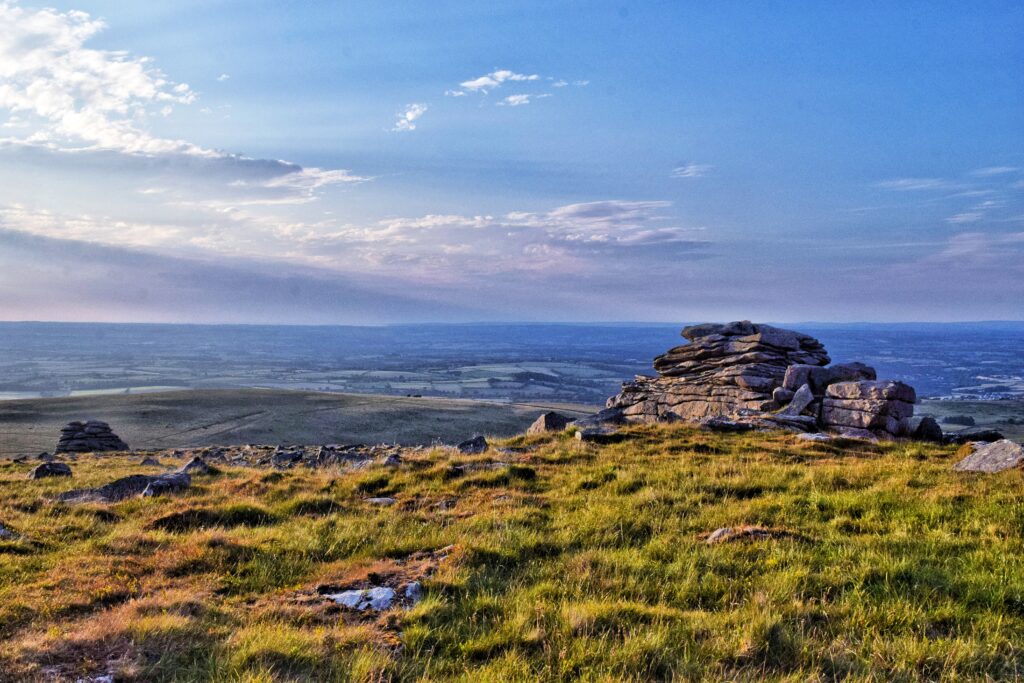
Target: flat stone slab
{"x": 992, "y": 457}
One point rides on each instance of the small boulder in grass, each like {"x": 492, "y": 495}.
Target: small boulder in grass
{"x": 996, "y": 456}
{"x": 197, "y": 466}
{"x": 50, "y": 469}
{"x": 549, "y": 422}
{"x": 478, "y": 444}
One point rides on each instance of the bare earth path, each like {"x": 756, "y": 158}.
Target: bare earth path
{"x": 237, "y": 416}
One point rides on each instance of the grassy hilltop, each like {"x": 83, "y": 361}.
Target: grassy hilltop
{"x": 568, "y": 561}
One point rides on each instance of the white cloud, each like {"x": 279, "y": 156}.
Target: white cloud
{"x": 515, "y": 100}
{"x": 914, "y": 184}
{"x": 223, "y": 77}
{"x": 79, "y": 106}
{"x": 559, "y": 83}
{"x": 495, "y": 79}
{"x": 407, "y": 119}
{"x": 691, "y": 170}
{"x": 994, "y": 170}
{"x": 72, "y": 95}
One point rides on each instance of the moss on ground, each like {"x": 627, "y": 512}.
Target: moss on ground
{"x": 573, "y": 561}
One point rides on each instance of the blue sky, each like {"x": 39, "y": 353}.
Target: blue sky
{"x": 378, "y": 162}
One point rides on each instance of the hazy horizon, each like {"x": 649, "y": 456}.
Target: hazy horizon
{"x": 252, "y": 162}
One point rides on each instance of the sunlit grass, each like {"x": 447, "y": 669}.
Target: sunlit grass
{"x": 573, "y": 561}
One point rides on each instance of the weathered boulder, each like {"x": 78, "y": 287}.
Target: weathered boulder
{"x": 478, "y": 444}
{"x": 50, "y": 469}
{"x": 800, "y": 401}
{"x": 167, "y": 483}
{"x": 608, "y": 416}
{"x": 819, "y": 378}
{"x": 88, "y": 437}
{"x": 127, "y": 487}
{"x": 197, "y": 466}
{"x": 597, "y": 434}
{"x": 881, "y": 407}
{"x": 8, "y": 535}
{"x": 992, "y": 457}
{"x": 781, "y": 396}
{"x": 549, "y": 422}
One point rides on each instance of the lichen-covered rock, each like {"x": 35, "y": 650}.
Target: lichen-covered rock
{"x": 992, "y": 457}
{"x": 549, "y": 422}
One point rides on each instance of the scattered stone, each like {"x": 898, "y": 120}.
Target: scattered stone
{"x": 854, "y": 433}
{"x": 8, "y": 535}
{"x": 392, "y": 460}
{"x": 382, "y": 500}
{"x": 992, "y": 457}
{"x": 377, "y": 599}
{"x": 413, "y": 591}
{"x": 927, "y": 429}
{"x": 478, "y": 444}
{"x": 89, "y": 437}
{"x": 50, "y": 469}
{"x": 974, "y": 434}
{"x": 150, "y": 461}
{"x": 549, "y": 422}
{"x": 801, "y": 399}
{"x": 962, "y": 420}
{"x": 781, "y": 396}
{"x": 45, "y": 457}
{"x": 724, "y": 424}
{"x": 119, "y": 489}
{"x": 599, "y": 434}
{"x": 197, "y": 466}
{"x": 608, "y": 416}
{"x": 753, "y": 533}
{"x": 168, "y": 483}
{"x": 815, "y": 436}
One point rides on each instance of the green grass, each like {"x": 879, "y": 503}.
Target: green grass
{"x": 574, "y": 562}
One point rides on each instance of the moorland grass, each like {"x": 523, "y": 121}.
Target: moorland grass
{"x": 572, "y": 562}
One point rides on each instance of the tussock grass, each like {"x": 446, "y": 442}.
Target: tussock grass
{"x": 573, "y": 561}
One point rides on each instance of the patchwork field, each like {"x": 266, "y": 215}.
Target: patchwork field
{"x": 542, "y": 559}
{"x": 184, "y": 419}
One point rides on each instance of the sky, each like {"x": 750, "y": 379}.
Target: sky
{"x": 376, "y": 162}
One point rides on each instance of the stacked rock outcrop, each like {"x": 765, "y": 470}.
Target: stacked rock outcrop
{"x": 88, "y": 437}
{"x": 724, "y": 369}
{"x": 747, "y": 375}
{"x": 869, "y": 408}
